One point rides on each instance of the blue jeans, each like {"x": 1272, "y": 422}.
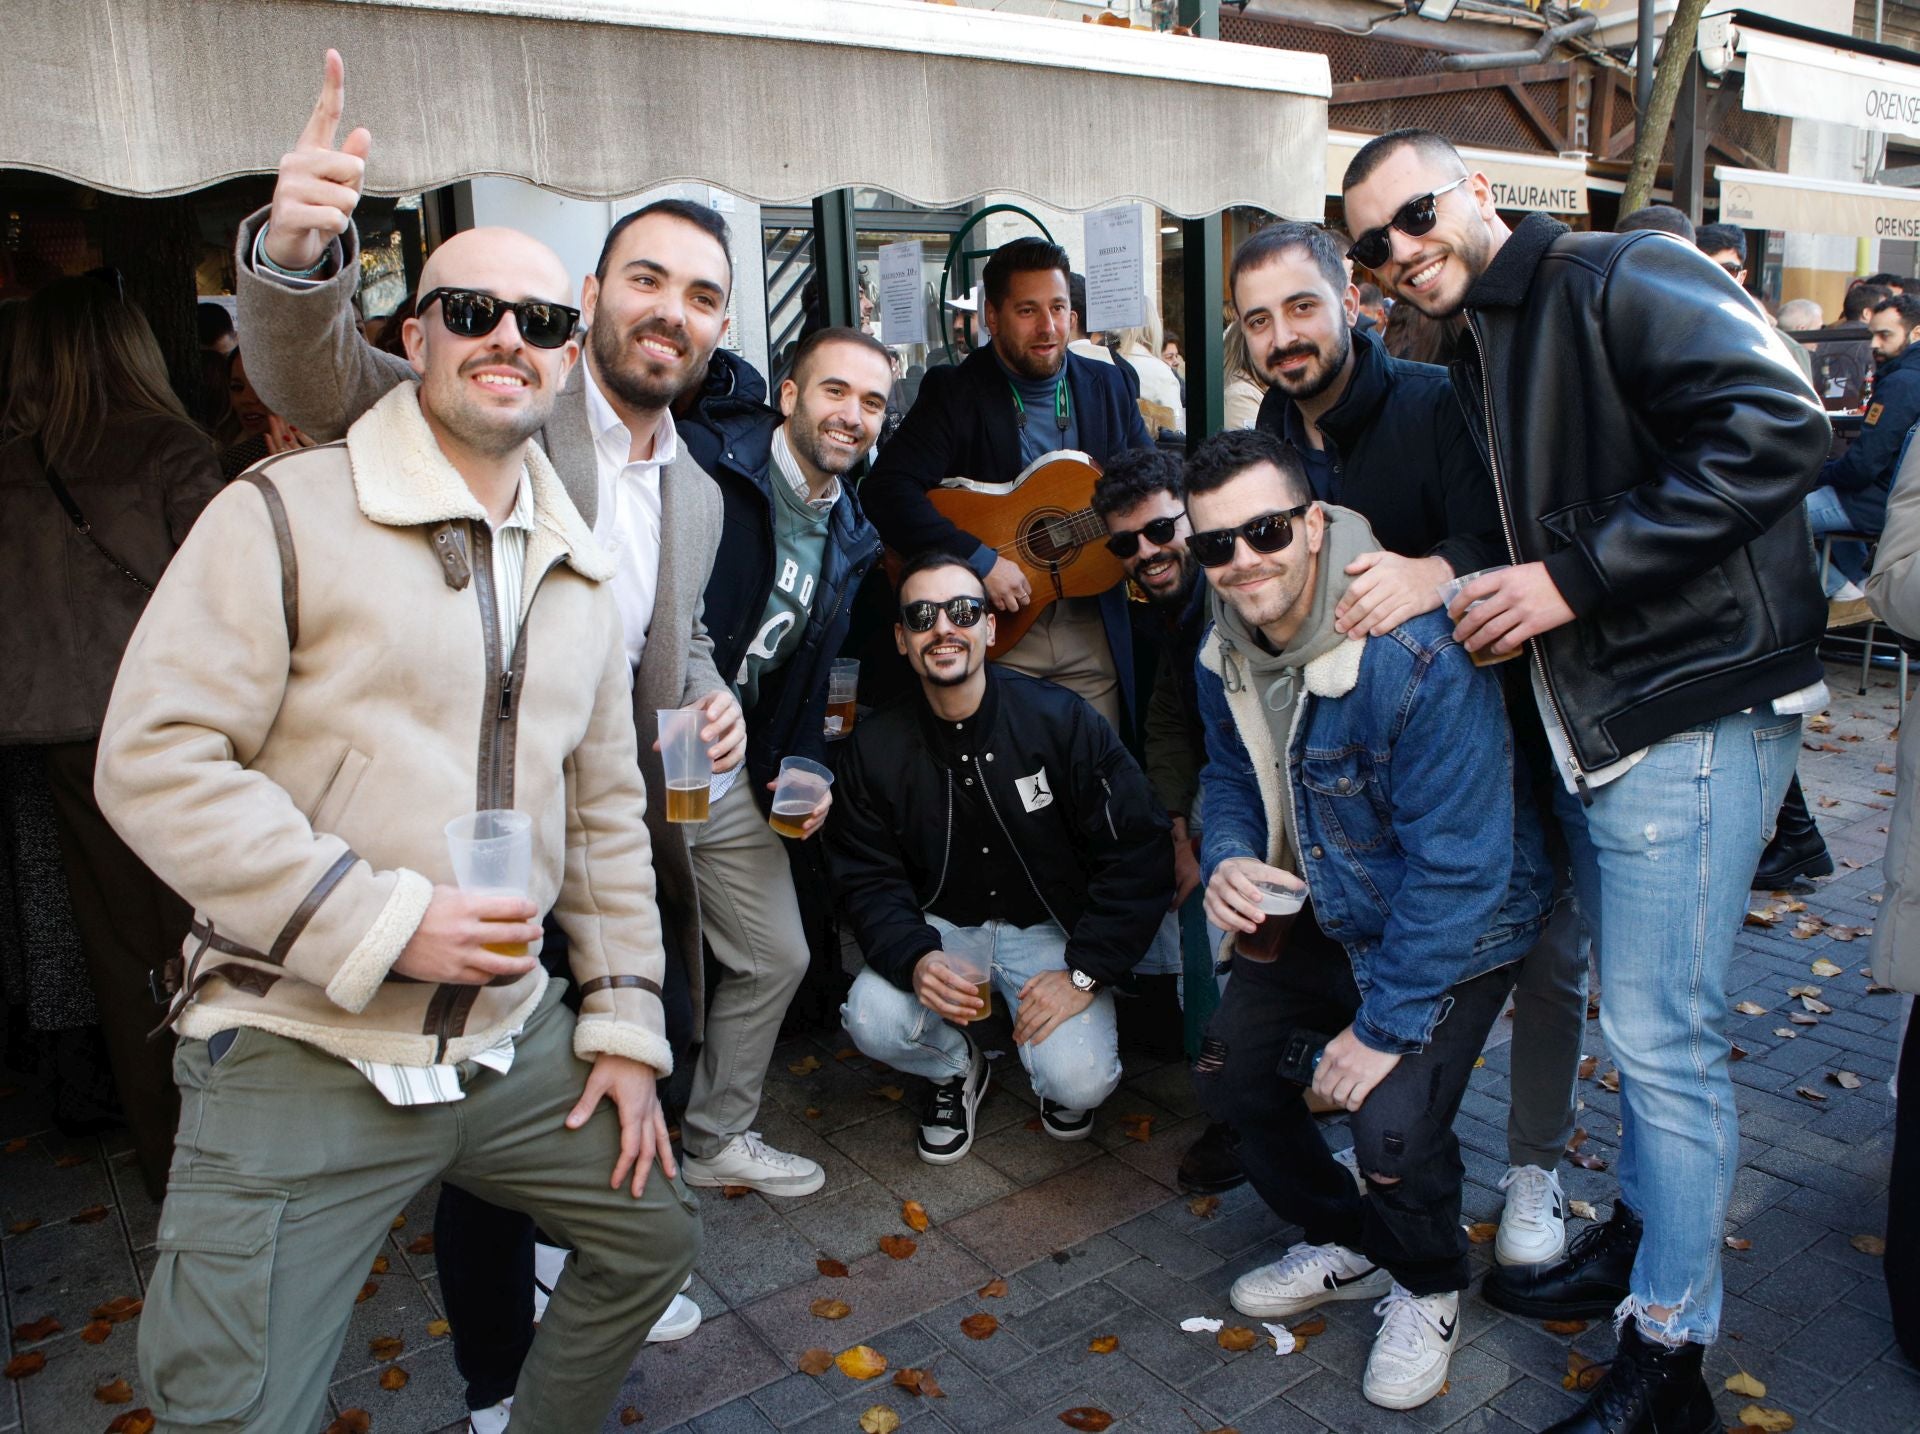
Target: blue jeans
{"x": 1077, "y": 1066}
{"x": 1664, "y": 857}
{"x": 1849, "y": 560}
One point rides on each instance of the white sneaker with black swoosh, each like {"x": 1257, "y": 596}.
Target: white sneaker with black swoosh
{"x": 1308, "y": 1275}
{"x": 1408, "y": 1365}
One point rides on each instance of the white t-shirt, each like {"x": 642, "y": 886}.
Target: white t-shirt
{"x": 628, "y": 521}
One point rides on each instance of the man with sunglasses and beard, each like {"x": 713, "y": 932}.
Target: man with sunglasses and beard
{"x": 1650, "y": 442}
{"x": 996, "y": 815}
{"x": 1377, "y": 772}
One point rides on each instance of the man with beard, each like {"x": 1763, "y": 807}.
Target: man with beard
{"x": 1663, "y": 588}
{"x": 336, "y": 662}
{"x": 1386, "y": 438}
{"x": 1377, "y": 770}
{"x": 997, "y": 816}
{"x": 1021, "y": 396}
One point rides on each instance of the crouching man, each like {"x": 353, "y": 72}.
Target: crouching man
{"x": 359, "y": 644}
{"x": 995, "y": 817}
{"x": 1379, "y": 772}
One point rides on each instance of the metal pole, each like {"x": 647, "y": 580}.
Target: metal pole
{"x": 1203, "y": 279}
{"x": 1643, "y": 75}
{"x": 836, "y": 254}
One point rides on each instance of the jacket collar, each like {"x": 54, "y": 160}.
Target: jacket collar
{"x": 1332, "y": 674}
{"x": 403, "y": 480}
{"x": 1505, "y": 283}
{"x": 942, "y": 736}
{"x": 1908, "y": 358}
{"x": 1367, "y": 391}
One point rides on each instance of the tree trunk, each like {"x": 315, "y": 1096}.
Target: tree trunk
{"x": 155, "y": 246}
{"x": 1650, "y": 133}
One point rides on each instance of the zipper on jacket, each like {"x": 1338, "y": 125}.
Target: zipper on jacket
{"x": 1534, "y": 657}
{"x": 946, "y": 854}
{"x": 986, "y": 790}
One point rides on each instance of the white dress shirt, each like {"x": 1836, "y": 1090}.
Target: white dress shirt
{"x": 628, "y": 522}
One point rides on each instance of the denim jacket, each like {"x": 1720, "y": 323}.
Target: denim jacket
{"x": 1421, "y": 859}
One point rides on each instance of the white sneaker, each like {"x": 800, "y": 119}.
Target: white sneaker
{"x": 1351, "y": 1159}
{"x": 748, "y": 1160}
{"x": 1533, "y": 1227}
{"x": 1849, "y": 592}
{"x": 681, "y": 1319}
{"x": 492, "y": 1420}
{"x": 548, "y": 1261}
{"x": 1308, "y": 1275}
{"x": 1408, "y": 1365}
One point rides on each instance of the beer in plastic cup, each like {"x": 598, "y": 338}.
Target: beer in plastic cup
{"x": 798, "y": 791}
{"x": 1280, "y": 904}
{"x": 969, "y": 956}
{"x": 492, "y": 854}
{"x": 689, "y": 770}
{"x": 1452, "y": 589}
{"x": 843, "y": 684}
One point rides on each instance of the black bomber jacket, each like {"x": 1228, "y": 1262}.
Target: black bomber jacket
{"x": 1651, "y": 442}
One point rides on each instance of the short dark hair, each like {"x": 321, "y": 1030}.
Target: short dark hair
{"x": 1715, "y": 238}
{"x": 1263, "y": 246}
{"x": 701, "y": 216}
{"x": 1863, "y": 298}
{"x": 1885, "y": 279}
{"x": 1663, "y": 218}
{"x": 1907, "y": 306}
{"x": 1077, "y": 297}
{"x": 1227, "y": 455}
{"x": 1377, "y": 151}
{"x": 820, "y": 338}
{"x": 1370, "y": 294}
{"x": 926, "y": 561}
{"x": 211, "y": 322}
{"x": 1029, "y": 255}
{"x": 1135, "y": 476}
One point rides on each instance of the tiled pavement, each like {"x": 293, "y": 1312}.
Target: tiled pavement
{"x": 1092, "y": 1240}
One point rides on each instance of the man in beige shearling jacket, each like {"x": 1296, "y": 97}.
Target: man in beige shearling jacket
{"x": 356, "y": 645}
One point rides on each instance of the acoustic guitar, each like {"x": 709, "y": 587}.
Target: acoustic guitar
{"x": 1044, "y": 522}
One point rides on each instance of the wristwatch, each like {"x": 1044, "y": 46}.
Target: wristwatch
{"x": 1083, "y": 982}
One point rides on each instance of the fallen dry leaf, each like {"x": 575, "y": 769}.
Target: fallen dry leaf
{"x": 920, "y": 1382}
{"x": 880, "y": 1419}
{"x": 1846, "y": 1080}
{"x": 1810, "y": 1094}
{"x": 1736, "y": 1051}
{"x": 979, "y": 1326}
{"x": 832, "y": 1269}
{"x": 1582, "y": 1373}
{"x": 439, "y": 1328}
{"x": 1564, "y": 1326}
{"x": 1803, "y": 990}
{"x": 1588, "y": 1065}
{"x": 393, "y": 1378}
{"x": 22, "y": 1365}
{"x": 381, "y": 1265}
{"x": 890, "y": 1092}
{"x": 830, "y": 1309}
{"x": 735, "y": 1192}
{"x": 367, "y": 1292}
{"x": 1786, "y": 1033}
{"x": 92, "y": 1215}
{"x": 16, "y": 1145}
{"x": 1735, "y": 1242}
{"x": 812, "y": 1112}
{"x": 816, "y": 1361}
{"x": 1588, "y": 1162}
{"x": 118, "y": 1392}
{"x": 97, "y": 1331}
{"x": 1105, "y": 1344}
{"x": 1746, "y": 1385}
{"x": 1750, "y": 1008}
{"x": 69, "y": 1162}
{"x": 1877, "y": 990}
{"x": 20, "y": 1227}
{"x": 141, "y": 1421}
{"x": 1824, "y": 969}
{"x": 806, "y": 1065}
{"x": 898, "y": 1247}
{"x": 1088, "y": 1418}
{"x": 1204, "y": 1205}
{"x": 1848, "y": 933}
{"x": 1032, "y": 1124}
{"x": 993, "y": 1289}
{"x": 1767, "y": 1421}
{"x": 1610, "y": 1081}
{"x": 1236, "y": 1337}
{"x": 1801, "y": 1018}
{"x": 1482, "y": 1232}
{"x": 399, "y": 1223}
{"x": 36, "y": 1330}
{"x": 421, "y": 1244}
{"x": 845, "y": 1053}
{"x": 1818, "y": 1007}
{"x": 915, "y": 1216}
{"x": 1308, "y": 1328}
{"x": 630, "y": 1416}
{"x": 863, "y": 1361}
{"x": 1137, "y": 1127}
{"x": 1869, "y": 1245}
{"x": 351, "y": 1421}
{"x": 385, "y": 1346}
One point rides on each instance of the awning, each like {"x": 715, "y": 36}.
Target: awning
{"x": 1788, "y": 75}
{"x": 776, "y": 100}
{"x": 1757, "y": 199}
{"x": 1520, "y": 181}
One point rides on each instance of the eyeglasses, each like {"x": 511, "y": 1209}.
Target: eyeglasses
{"x": 1159, "y": 532}
{"x": 1268, "y": 533}
{"x": 960, "y": 611}
{"x": 470, "y": 314}
{"x": 1731, "y": 267}
{"x": 1414, "y": 218}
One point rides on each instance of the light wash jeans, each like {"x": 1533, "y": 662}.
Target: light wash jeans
{"x": 1849, "y": 560}
{"x": 1077, "y": 1066}
{"x": 1664, "y": 857}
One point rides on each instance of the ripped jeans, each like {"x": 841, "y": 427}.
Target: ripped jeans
{"x": 1665, "y": 856}
{"x": 1405, "y": 1129}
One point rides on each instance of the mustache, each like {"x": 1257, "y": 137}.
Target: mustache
{"x": 675, "y": 334}
{"x": 499, "y": 358}
{"x": 1299, "y": 350}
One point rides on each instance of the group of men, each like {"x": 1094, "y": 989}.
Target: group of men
{"x": 512, "y": 549}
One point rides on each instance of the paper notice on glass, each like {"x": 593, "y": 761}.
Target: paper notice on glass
{"x": 1116, "y": 270}
{"x": 903, "y": 313}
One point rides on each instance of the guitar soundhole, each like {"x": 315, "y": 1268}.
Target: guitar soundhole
{"x": 1046, "y": 538}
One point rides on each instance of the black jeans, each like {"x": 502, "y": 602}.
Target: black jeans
{"x": 1410, "y": 1227}
{"x": 484, "y": 1252}
{"x": 1902, "y": 1264}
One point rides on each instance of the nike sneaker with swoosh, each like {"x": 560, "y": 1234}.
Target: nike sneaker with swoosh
{"x": 1308, "y": 1275}
{"x": 1408, "y": 1365}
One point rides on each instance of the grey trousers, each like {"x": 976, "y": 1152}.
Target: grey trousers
{"x": 288, "y": 1171}
{"x": 751, "y": 918}
{"x": 1549, "y": 1021}
{"x": 1067, "y": 644}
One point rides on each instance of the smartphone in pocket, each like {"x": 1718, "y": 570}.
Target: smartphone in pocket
{"x": 1300, "y": 1055}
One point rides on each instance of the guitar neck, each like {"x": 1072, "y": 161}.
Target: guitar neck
{"x": 1073, "y": 530}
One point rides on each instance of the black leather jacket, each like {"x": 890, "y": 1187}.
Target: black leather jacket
{"x": 1651, "y": 443}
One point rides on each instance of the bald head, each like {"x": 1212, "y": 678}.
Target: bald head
{"x": 503, "y": 262}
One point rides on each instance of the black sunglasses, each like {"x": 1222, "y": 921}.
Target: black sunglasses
{"x": 960, "y": 611}
{"x": 1732, "y": 268}
{"x": 1414, "y": 218}
{"x": 1159, "y": 532}
{"x": 1268, "y": 533}
{"x": 470, "y": 314}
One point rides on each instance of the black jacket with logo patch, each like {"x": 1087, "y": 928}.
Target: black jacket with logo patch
{"x": 1030, "y": 809}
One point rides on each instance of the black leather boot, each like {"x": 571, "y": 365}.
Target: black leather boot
{"x": 1210, "y": 1165}
{"x": 1588, "y": 1282}
{"x": 1797, "y": 848}
{"x": 1649, "y": 1389}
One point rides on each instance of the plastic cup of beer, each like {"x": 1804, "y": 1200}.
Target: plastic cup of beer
{"x": 1279, "y": 905}
{"x": 843, "y": 686}
{"x": 796, "y": 793}
{"x": 1452, "y": 589}
{"x": 492, "y": 853}
{"x": 689, "y": 769}
{"x": 970, "y": 957}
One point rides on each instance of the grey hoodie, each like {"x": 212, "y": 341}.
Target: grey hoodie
{"x": 1277, "y": 674}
